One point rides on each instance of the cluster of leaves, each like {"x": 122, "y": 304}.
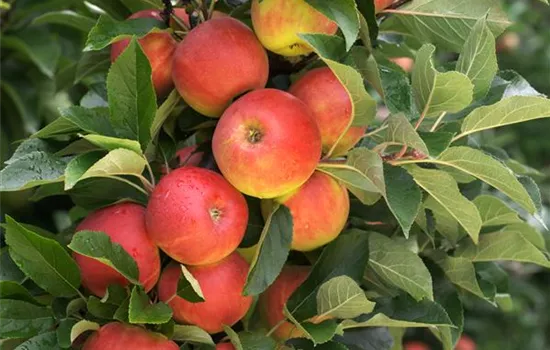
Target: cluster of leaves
{"x": 429, "y": 217}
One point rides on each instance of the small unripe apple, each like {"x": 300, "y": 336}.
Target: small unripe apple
{"x": 415, "y": 345}
{"x": 124, "y": 223}
{"x": 272, "y": 301}
{"x": 159, "y": 49}
{"x": 331, "y": 105}
{"x": 118, "y": 336}
{"x": 195, "y": 216}
{"x": 222, "y": 285}
{"x": 319, "y": 209}
{"x": 465, "y": 343}
{"x": 217, "y": 61}
{"x": 277, "y": 24}
{"x": 267, "y": 143}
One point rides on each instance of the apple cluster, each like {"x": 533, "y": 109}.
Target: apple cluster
{"x": 267, "y": 144}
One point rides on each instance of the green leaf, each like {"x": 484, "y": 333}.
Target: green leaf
{"x": 66, "y": 17}
{"x": 164, "y": 111}
{"x": 400, "y": 131}
{"x": 32, "y": 169}
{"x": 351, "y": 177}
{"x": 92, "y": 120}
{"x": 436, "y": 142}
{"x": 341, "y": 297}
{"x": 81, "y": 327}
{"x": 504, "y": 245}
{"x": 511, "y": 110}
{"x": 445, "y": 23}
{"x": 272, "y": 253}
{"x": 396, "y": 265}
{"x": 363, "y": 105}
{"x": 22, "y": 320}
{"x": 44, "y": 341}
{"x": 365, "y": 339}
{"x": 403, "y": 196}
{"x": 142, "y": 311}
{"x": 43, "y": 260}
{"x": 344, "y": 13}
{"x": 112, "y": 143}
{"x": 132, "y": 99}
{"x": 447, "y": 296}
{"x": 234, "y": 337}
{"x": 368, "y": 29}
{"x": 106, "y": 31}
{"x": 91, "y": 63}
{"x": 192, "y": 334}
{"x": 360, "y": 58}
{"x": 320, "y": 333}
{"x": 188, "y": 287}
{"x": 494, "y": 212}
{"x": 437, "y": 92}
{"x": 369, "y": 164}
{"x": 346, "y": 255}
{"x": 478, "y": 59}
{"x": 98, "y": 246}
{"x": 15, "y": 291}
{"x": 63, "y": 332}
{"x": 487, "y": 169}
{"x": 107, "y": 306}
{"x": 97, "y": 192}
{"x": 402, "y": 311}
{"x": 9, "y": 270}
{"x": 117, "y": 162}
{"x": 58, "y": 127}
{"x": 38, "y": 45}
{"x": 445, "y": 223}
{"x": 444, "y": 189}
{"x": 460, "y": 271}
{"x": 251, "y": 340}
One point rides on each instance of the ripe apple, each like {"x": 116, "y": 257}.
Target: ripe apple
{"x": 380, "y": 5}
{"x": 272, "y": 301}
{"x": 159, "y": 49}
{"x": 118, "y": 336}
{"x": 195, "y": 216}
{"x": 124, "y": 223}
{"x": 267, "y": 143}
{"x": 319, "y": 209}
{"x": 277, "y": 24}
{"x": 406, "y": 63}
{"x": 225, "y": 346}
{"x": 330, "y": 103}
{"x": 188, "y": 157}
{"x": 465, "y": 343}
{"x": 217, "y": 61}
{"x": 415, "y": 345}
{"x": 222, "y": 285}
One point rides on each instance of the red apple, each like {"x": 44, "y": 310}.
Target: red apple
{"x": 195, "y": 216}
{"x": 225, "y": 346}
{"x": 319, "y": 209}
{"x": 222, "y": 285}
{"x": 406, "y": 63}
{"x": 277, "y": 24}
{"x": 380, "y": 5}
{"x": 415, "y": 345}
{"x": 272, "y": 301}
{"x": 188, "y": 157}
{"x": 465, "y": 343}
{"x": 118, "y": 336}
{"x": 217, "y": 61}
{"x": 125, "y": 224}
{"x": 330, "y": 103}
{"x": 267, "y": 143}
{"x": 159, "y": 49}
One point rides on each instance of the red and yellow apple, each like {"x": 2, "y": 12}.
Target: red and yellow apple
{"x": 267, "y": 143}
{"x": 159, "y": 49}
{"x": 273, "y": 300}
{"x": 415, "y": 345}
{"x": 195, "y": 216}
{"x": 319, "y": 209}
{"x": 119, "y": 336}
{"x": 124, "y": 223}
{"x": 222, "y": 285}
{"x": 331, "y": 105}
{"x": 217, "y": 61}
{"x": 380, "y": 5}
{"x": 465, "y": 343}
{"x": 277, "y": 24}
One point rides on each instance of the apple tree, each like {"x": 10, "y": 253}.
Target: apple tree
{"x": 264, "y": 174}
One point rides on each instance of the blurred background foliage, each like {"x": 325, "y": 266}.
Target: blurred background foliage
{"x": 43, "y": 69}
